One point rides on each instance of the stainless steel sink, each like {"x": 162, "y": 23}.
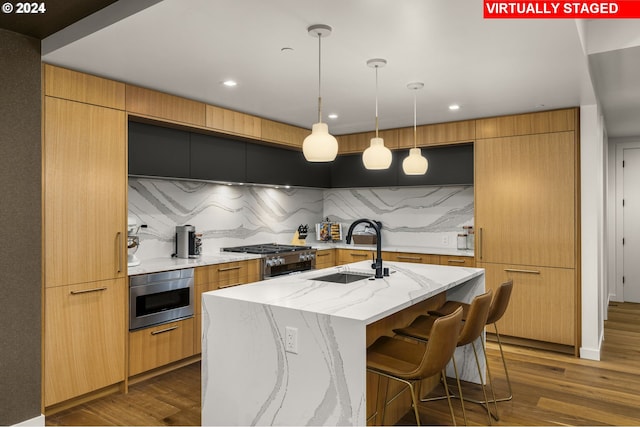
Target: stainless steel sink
{"x": 343, "y": 277}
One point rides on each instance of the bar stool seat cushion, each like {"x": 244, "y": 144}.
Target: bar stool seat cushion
{"x": 396, "y": 357}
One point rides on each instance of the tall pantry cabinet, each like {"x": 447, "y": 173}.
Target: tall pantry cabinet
{"x": 526, "y": 217}
{"x": 84, "y": 193}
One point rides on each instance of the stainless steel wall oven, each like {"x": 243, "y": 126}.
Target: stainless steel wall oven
{"x": 160, "y": 298}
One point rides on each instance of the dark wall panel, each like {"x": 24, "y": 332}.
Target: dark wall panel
{"x": 158, "y": 151}
{"x": 450, "y": 165}
{"x": 20, "y": 216}
{"x": 217, "y": 159}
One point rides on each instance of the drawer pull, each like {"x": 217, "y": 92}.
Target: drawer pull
{"x": 412, "y": 258}
{"x": 456, "y": 261}
{"x": 229, "y": 285}
{"x": 515, "y": 270}
{"x": 364, "y": 255}
{"x": 86, "y": 291}
{"x": 323, "y": 254}
{"x": 162, "y": 331}
{"x": 230, "y": 268}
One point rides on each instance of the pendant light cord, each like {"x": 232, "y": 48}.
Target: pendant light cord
{"x": 319, "y": 78}
{"x": 376, "y": 101}
{"x": 415, "y": 132}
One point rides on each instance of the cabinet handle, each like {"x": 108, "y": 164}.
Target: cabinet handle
{"x": 322, "y": 254}
{"x": 412, "y": 258}
{"x": 515, "y": 270}
{"x": 119, "y": 239}
{"x": 456, "y": 261}
{"x": 86, "y": 291}
{"x": 480, "y": 242}
{"x": 162, "y": 331}
{"x": 229, "y": 285}
{"x": 364, "y": 255}
{"x": 230, "y": 268}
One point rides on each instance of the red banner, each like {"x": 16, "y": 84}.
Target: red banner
{"x": 589, "y": 9}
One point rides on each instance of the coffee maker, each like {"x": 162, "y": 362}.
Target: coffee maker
{"x": 188, "y": 242}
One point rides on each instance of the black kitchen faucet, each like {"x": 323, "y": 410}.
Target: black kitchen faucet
{"x": 376, "y": 225}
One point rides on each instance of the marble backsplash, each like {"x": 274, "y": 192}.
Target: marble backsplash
{"x": 236, "y": 215}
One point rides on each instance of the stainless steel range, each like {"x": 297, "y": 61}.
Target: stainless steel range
{"x": 278, "y": 260}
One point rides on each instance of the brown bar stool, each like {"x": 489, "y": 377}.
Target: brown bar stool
{"x": 496, "y": 311}
{"x": 472, "y": 329}
{"x": 410, "y": 362}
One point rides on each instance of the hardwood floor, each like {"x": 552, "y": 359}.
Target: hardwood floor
{"x": 548, "y": 388}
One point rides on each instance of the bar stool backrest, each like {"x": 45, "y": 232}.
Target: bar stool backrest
{"x": 441, "y": 345}
{"x": 476, "y": 318}
{"x": 500, "y": 302}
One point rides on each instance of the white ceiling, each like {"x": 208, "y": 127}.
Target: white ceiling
{"x": 489, "y": 67}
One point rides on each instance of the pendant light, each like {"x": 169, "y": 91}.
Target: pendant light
{"x": 416, "y": 163}
{"x": 377, "y": 156}
{"x": 320, "y": 146}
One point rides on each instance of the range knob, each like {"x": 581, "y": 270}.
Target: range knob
{"x": 271, "y": 262}
{"x": 304, "y": 257}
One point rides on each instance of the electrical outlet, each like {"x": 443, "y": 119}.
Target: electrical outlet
{"x": 445, "y": 240}
{"x": 291, "y": 340}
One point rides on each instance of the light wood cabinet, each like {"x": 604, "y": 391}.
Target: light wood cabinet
{"x": 325, "y": 258}
{"x": 438, "y": 134}
{"x": 542, "y": 305}
{"x": 527, "y": 221}
{"x": 84, "y": 193}
{"x": 233, "y": 122}
{"x": 528, "y": 124}
{"x": 283, "y": 134}
{"x": 81, "y": 87}
{"x": 346, "y": 256}
{"x": 358, "y": 142}
{"x": 217, "y": 276}
{"x": 84, "y": 335}
{"x": 160, "y": 345}
{"x": 525, "y": 200}
{"x": 411, "y": 257}
{"x": 150, "y": 103}
{"x": 457, "y": 261}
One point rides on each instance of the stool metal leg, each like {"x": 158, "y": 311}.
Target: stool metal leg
{"x": 484, "y": 391}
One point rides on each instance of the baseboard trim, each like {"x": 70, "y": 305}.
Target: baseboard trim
{"x": 36, "y": 421}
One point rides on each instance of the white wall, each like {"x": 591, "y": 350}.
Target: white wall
{"x": 592, "y": 172}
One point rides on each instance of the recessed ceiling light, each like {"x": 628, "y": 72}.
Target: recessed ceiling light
{"x": 230, "y": 83}
{"x": 286, "y": 49}
{"x": 454, "y": 107}
{"x": 333, "y": 116}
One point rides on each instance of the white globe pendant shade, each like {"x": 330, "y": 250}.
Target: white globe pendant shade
{"x": 377, "y": 156}
{"x": 320, "y": 146}
{"x": 416, "y": 163}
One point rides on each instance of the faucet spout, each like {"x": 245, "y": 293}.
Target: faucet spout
{"x": 376, "y": 225}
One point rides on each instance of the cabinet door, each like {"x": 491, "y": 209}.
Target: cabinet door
{"x": 542, "y": 304}
{"x": 346, "y": 256}
{"x": 84, "y": 338}
{"x": 158, "y": 151}
{"x": 160, "y": 345}
{"x": 411, "y": 257}
{"x": 84, "y": 193}
{"x": 525, "y": 191}
{"x": 325, "y": 258}
{"x": 218, "y": 159}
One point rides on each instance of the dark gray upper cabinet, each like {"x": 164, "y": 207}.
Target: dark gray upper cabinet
{"x": 349, "y": 171}
{"x": 172, "y": 153}
{"x": 218, "y": 159}
{"x": 158, "y": 151}
{"x": 449, "y": 165}
{"x": 280, "y": 166}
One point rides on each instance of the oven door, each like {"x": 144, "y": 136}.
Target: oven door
{"x": 153, "y": 301}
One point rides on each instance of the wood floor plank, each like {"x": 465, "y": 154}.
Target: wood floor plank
{"x": 549, "y": 389}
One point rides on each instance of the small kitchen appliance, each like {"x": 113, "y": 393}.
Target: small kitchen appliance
{"x": 188, "y": 242}
{"x": 133, "y": 241}
{"x": 278, "y": 260}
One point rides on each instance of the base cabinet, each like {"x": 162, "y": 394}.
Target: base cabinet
{"x": 325, "y": 258}
{"x": 84, "y": 338}
{"x": 542, "y": 305}
{"x": 153, "y": 347}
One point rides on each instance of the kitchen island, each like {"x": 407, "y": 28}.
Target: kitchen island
{"x": 292, "y": 350}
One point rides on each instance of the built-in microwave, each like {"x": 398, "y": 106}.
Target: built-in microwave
{"x": 158, "y": 298}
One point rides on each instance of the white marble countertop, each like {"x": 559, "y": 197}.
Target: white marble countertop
{"x": 412, "y": 249}
{"x": 154, "y": 265}
{"x": 364, "y": 300}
